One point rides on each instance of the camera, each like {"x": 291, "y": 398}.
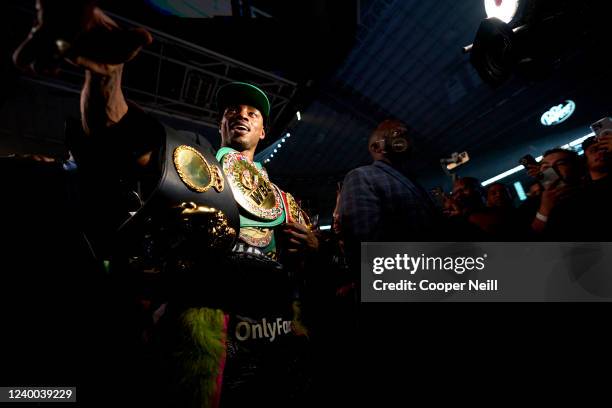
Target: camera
{"x": 455, "y": 160}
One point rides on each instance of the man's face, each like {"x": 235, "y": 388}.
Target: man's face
{"x": 242, "y": 127}
{"x": 466, "y": 196}
{"x": 563, "y": 163}
{"x": 497, "y": 196}
{"x": 535, "y": 190}
{"x": 597, "y": 159}
{"x": 390, "y": 133}
{"x": 397, "y": 138}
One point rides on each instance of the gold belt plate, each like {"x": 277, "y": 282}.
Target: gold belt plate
{"x": 296, "y": 214}
{"x": 195, "y": 171}
{"x": 252, "y": 189}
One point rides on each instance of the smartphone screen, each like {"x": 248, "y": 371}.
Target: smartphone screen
{"x": 601, "y": 125}
{"x": 548, "y": 177}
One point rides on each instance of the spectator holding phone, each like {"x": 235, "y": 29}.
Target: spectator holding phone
{"x": 598, "y": 190}
{"x": 598, "y": 150}
{"x": 531, "y": 165}
{"x": 561, "y": 173}
{"x": 598, "y": 156}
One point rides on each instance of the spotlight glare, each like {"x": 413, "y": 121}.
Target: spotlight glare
{"x": 299, "y": 116}
{"x": 505, "y": 10}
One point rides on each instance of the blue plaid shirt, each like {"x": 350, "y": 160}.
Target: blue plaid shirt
{"x": 378, "y": 203}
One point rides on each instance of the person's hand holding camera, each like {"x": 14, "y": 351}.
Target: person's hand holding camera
{"x": 604, "y": 140}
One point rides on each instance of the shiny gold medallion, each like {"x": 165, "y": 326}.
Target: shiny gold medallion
{"x": 192, "y": 168}
{"x": 252, "y": 191}
{"x": 255, "y": 236}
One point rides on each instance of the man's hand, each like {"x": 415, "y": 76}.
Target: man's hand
{"x": 38, "y": 158}
{"x": 552, "y": 196}
{"x": 299, "y": 238}
{"x": 78, "y": 31}
{"x": 104, "y": 47}
{"x": 604, "y": 141}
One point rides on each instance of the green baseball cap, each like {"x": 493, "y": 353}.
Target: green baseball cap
{"x": 244, "y": 94}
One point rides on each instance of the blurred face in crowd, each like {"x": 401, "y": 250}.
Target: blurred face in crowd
{"x": 449, "y": 207}
{"x": 597, "y": 159}
{"x": 564, "y": 163}
{"x": 466, "y": 195}
{"x": 498, "y": 196}
{"x": 535, "y": 190}
{"x": 242, "y": 127}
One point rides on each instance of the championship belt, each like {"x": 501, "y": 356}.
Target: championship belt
{"x": 191, "y": 202}
{"x": 253, "y": 191}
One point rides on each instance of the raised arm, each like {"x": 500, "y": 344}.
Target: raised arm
{"x": 102, "y": 100}
{"x": 80, "y": 32}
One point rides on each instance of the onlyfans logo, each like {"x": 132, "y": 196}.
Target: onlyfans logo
{"x": 253, "y": 330}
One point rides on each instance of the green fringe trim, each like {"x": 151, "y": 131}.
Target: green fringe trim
{"x": 200, "y": 354}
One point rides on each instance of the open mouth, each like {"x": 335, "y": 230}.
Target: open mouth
{"x": 240, "y": 127}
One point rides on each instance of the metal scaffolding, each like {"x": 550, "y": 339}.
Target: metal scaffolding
{"x": 177, "y": 78}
